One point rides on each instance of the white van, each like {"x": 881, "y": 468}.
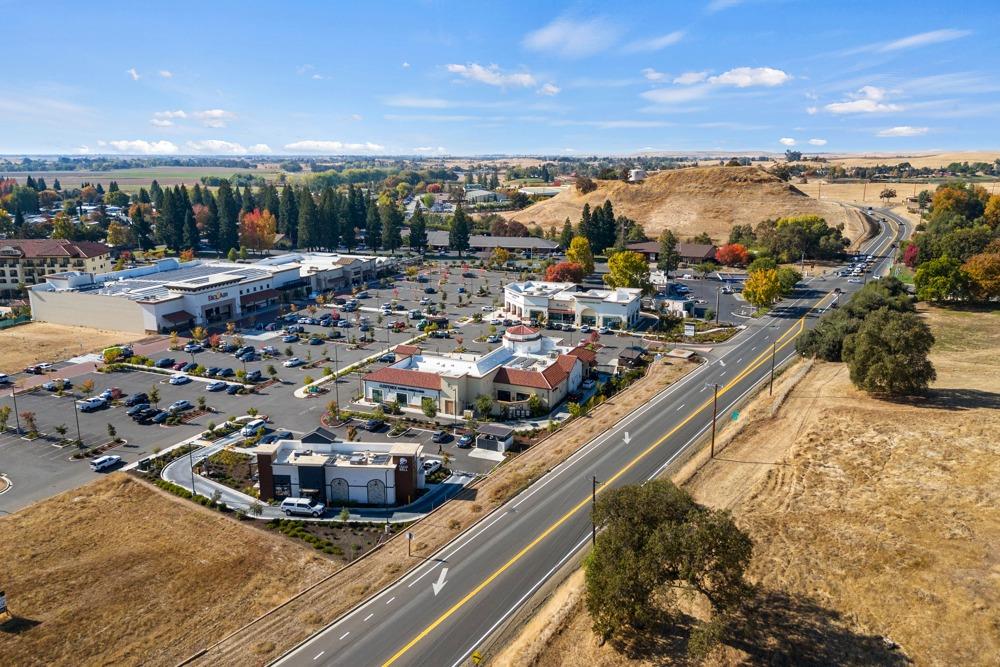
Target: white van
{"x": 103, "y": 463}
{"x": 303, "y": 506}
{"x": 252, "y": 427}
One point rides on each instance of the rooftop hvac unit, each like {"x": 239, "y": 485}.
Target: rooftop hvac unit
{"x": 358, "y": 459}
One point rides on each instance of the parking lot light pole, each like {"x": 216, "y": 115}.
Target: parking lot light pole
{"x": 718, "y": 300}
{"x": 17, "y": 417}
{"x": 336, "y": 389}
{"x": 76, "y": 414}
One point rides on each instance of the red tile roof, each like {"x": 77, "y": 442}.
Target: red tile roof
{"x": 550, "y": 378}
{"x": 56, "y": 248}
{"x": 405, "y": 377}
{"x": 521, "y": 330}
{"x": 406, "y": 350}
{"x": 584, "y": 354}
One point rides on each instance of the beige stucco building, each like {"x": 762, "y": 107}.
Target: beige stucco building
{"x": 29, "y": 261}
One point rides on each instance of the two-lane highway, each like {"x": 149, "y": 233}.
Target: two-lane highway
{"x": 445, "y": 608}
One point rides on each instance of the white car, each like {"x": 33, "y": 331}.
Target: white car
{"x": 687, "y": 276}
{"x": 854, "y": 280}
{"x": 180, "y": 379}
{"x": 251, "y": 428}
{"x": 91, "y": 404}
{"x": 293, "y": 362}
{"x": 487, "y": 309}
{"x": 102, "y": 463}
{"x": 302, "y": 506}
{"x": 430, "y": 467}
{"x": 424, "y": 301}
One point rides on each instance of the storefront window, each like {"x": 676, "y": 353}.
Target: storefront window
{"x": 282, "y": 486}
{"x": 401, "y": 398}
{"x": 376, "y": 395}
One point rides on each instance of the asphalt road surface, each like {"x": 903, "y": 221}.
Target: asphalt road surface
{"x": 445, "y": 608}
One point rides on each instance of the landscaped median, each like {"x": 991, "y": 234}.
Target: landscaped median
{"x": 279, "y": 630}
{"x": 308, "y": 391}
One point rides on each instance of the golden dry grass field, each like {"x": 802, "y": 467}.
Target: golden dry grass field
{"x": 35, "y": 342}
{"x": 870, "y": 519}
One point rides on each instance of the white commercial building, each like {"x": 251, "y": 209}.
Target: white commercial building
{"x": 617, "y": 308}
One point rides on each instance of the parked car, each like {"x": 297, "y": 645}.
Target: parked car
{"x": 226, "y": 373}
{"x": 585, "y": 328}
{"x": 254, "y": 376}
{"x": 302, "y": 507}
{"x": 160, "y": 417}
{"x": 192, "y": 348}
{"x": 55, "y": 385}
{"x": 372, "y": 424}
{"x": 136, "y": 399}
{"x": 440, "y": 436}
{"x": 137, "y": 409}
{"x": 293, "y": 362}
{"x": 316, "y": 341}
{"x": 269, "y": 349}
{"x": 45, "y": 367}
{"x": 111, "y": 394}
{"x": 588, "y": 383}
{"x": 430, "y": 290}
{"x": 440, "y": 333}
{"x": 251, "y": 428}
{"x": 107, "y": 462}
{"x": 218, "y": 385}
{"x": 165, "y": 362}
{"x": 91, "y": 404}
{"x": 245, "y": 350}
{"x": 146, "y": 416}
{"x": 275, "y": 437}
{"x": 604, "y": 330}
{"x": 180, "y": 379}
{"x": 387, "y": 358}
{"x": 424, "y": 301}
{"x": 179, "y": 365}
{"x": 179, "y": 406}
{"x": 188, "y": 367}
{"x": 228, "y": 348}
{"x": 365, "y": 327}
{"x": 344, "y": 324}
{"x": 487, "y": 309}
{"x": 233, "y": 389}
{"x": 465, "y": 441}
{"x": 493, "y": 338}
{"x": 430, "y": 467}
{"x": 4, "y": 378}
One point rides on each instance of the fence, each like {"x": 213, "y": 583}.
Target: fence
{"x": 14, "y": 321}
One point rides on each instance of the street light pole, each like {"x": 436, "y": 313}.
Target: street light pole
{"x": 336, "y": 389}
{"x": 593, "y": 508}
{"x": 76, "y": 415}
{"x": 718, "y": 301}
{"x": 191, "y": 464}
{"x": 715, "y": 413}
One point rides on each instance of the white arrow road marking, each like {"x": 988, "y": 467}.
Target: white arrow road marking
{"x": 439, "y": 584}
{"x": 627, "y": 437}
{"x": 722, "y": 363}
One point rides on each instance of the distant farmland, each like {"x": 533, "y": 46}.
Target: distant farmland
{"x": 133, "y": 179}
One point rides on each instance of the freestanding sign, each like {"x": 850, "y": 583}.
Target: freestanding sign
{"x": 689, "y": 329}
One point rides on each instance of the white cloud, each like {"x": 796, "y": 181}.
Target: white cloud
{"x": 406, "y": 65}
{"x": 612, "y": 124}
{"x": 132, "y": 73}
{"x": 670, "y": 96}
{"x": 925, "y": 39}
{"x": 868, "y": 99}
{"x": 652, "y": 75}
{"x": 143, "y": 147}
{"x": 412, "y": 102}
{"x": 812, "y": 111}
{"x": 570, "y": 38}
{"x": 492, "y": 75}
{"x": 166, "y": 74}
{"x": 214, "y": 117}
{"x": 548, "y": 89}
{"x": 689, "y": 78}
{"x": 745, "y": 77}
{"x": 318, "y": 77}
{"x": 655, "y": 43}
{"x": 356, "y": 116}
{"x": 903, "y": 131}
{"x": 818, "y": 142}
{"x": 719, "y": 5}
{"x": 170, "y": 114}
{"x": 159, "y": 122}
{"x": 220, "y": 147}
{"x": 320, "y": 146}
{"x": 786, "y": 141}
{"x": 440, "y": 150}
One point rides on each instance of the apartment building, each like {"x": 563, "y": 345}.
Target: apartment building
{"x": 29, "y": 261}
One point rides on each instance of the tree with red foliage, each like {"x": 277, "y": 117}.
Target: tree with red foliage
{"x": 733, "y": 254}
{"x": 911, "y": 255}
{"x": 564, "y": 272}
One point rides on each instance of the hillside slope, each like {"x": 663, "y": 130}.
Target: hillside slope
{"x": 694, "y": 200}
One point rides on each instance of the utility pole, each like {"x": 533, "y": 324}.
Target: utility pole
{"x": 715, "y": 413}
{"x": 770, "y": 389}
{"x": 593, "y": 508}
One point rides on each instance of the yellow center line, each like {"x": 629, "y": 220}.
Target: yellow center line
{"x": 756, "y": 363}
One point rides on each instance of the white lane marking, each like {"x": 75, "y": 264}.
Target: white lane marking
{"x": 344, "y": 635}
{"x": 317, "y": 656}
{"x": 367, "y": 617}
{"x": 739, "y": 360}
{"x": 439, "y": 584}
{"x": 389, "y": 601}
{"x": 703, "y": 389}
{"x": 680, "y": 407}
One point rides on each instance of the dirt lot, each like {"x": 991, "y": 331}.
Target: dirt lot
{"x": 265, "y": 640}
{"x": 40, "y": 341}
{"x": 858, "y": 193}
{"x": 870, "y": 519}
{"x": 118, "y": 573}
{"x": 691, "y": 201}
{"x": 918, "y": 160}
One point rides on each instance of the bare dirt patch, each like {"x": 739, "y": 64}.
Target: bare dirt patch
{"x": 870, "y": 519}
{"x": 41, "y": 341}
{"x": 117, "y": 572}
{"x": 693, "y": 200}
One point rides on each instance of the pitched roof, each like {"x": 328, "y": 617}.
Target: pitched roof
{"x": 405, "y": 377}
{"x": 584, "y": 354}
{"x": 406, "y": 350}
{"x": 521, "y": 330}
{"x": 56, "y": 248}
{"x": 550, "y": 378}
{"x": 699, "y": 250}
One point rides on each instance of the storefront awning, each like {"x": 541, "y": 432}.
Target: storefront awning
{"x": 178, "y": 317}
{"x": 258, "y": 297}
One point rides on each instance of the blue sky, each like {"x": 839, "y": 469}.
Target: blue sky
{"x": 468, "y": 78}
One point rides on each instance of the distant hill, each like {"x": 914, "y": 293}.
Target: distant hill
{"x": 694, "y": 200}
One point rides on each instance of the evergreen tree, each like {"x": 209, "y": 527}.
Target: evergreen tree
{"x": 30, "y": 183}
{"x": 418, "y": 231}
{"x": 238, "y": 198}
{"x": 458, "y": 238}
{"x": 196, "y": 195}
{"x": 586, "y": 226}
{"x": 329, "y": 222}
{"x": 347, "y": 229}
{"x": 40, "y": 184}
{"x": 100, "y": 189}
{"x": 166, "y": 233}
{"x": 190, "y": 231}
{"x": 358, "y": 212}
{"x": 392, "y": 223}
{"x": 228, "y": 212}
{"x": 308, "y": 222}
{"x": 56, "y": 185}
{"x": 141, "y": 230}
{"x": 212, "y": 221}
{"x": 112, "y": 186}
{"x": 608, "y": 227}
{"x": 270, "y": 200}
{"x": 144, "y": 196}
{"x": 566, "y": 237}
{"x": 248, "y": 203}
{"x": 373, "y": 228}
{"x": 18, "y": 222}
{"x": 288, "y": 215}
{"x": 156, "y": 193}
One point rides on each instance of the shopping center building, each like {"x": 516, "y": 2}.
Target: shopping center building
{"x": 566, "y": 302}
{"x": 527, "y": 369}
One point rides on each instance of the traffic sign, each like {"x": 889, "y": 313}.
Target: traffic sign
{"x": 477, "y": 657}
